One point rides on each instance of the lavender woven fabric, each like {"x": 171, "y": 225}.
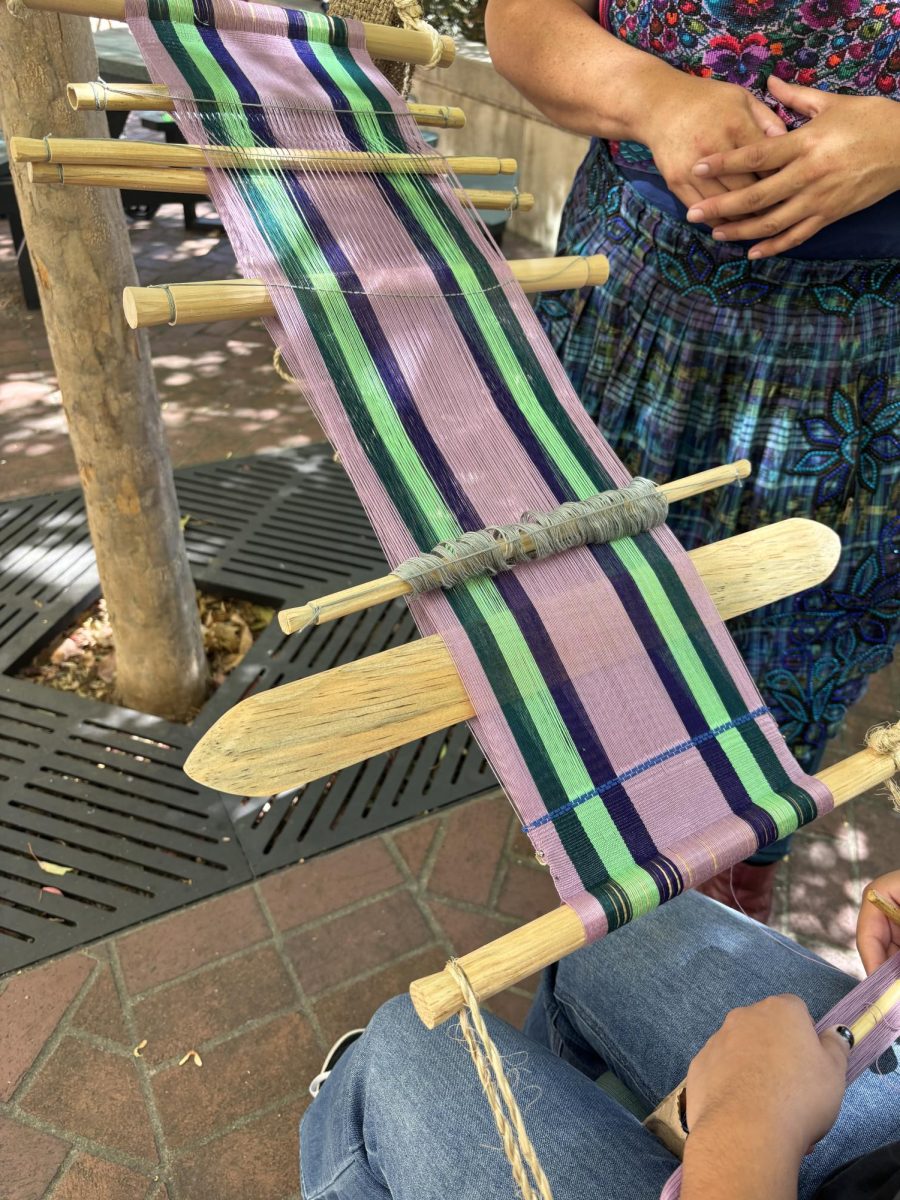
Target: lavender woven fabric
{"x": 609, "y": 698}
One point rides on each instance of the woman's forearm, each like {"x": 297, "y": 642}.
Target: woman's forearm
{"x": 575, "y": 72}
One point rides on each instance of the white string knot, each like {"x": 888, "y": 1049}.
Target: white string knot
{"x": 526, "y": 1168}
{"x": 885, "y": 739}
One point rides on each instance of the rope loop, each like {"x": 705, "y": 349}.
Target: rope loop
{"x": 280, "y": 369}
{"x": 410, "y": 14}
{"x": 526, "y": 1168}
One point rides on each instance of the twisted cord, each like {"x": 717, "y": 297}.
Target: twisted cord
{"x": 885, "y": 739}
{"x": 517, "y": 1145}
{"x": 410, "y": 14}
{"x": 280, "y": 369}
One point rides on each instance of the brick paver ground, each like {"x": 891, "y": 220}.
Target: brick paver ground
{"x": 260, "y": 980}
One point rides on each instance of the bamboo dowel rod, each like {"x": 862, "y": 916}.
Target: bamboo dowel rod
{"x": 115, "y": 152}
{"x": 389, "y": 587}
{"x": 877, "y": 1011}
{"x": 228, "y": 299}
{"x": 511, "y": 958}
{"x": 382, "y": 41}
{"x": 156, "y": 97}
{"x": 884, "y": 905}
{"x": 120, "y": 97}
{"x": 193, "y": 183}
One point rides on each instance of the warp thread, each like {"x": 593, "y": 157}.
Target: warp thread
{"x": 622, "y": 512}
{"x": 885, "y": 739}
{"x": 526, "y": 1168}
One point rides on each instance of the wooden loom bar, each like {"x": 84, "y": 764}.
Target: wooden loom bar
{"x": 509, "y": 959}
{"x": 156, "y": 97}
{"x": 389, "y": 587}
{"x": 227, "y": 299}
{"x": 115, "y": 152}
{"x": 193, "y": 183}
{"x": 305, "y": 730}
{"x": 382, "y": 41}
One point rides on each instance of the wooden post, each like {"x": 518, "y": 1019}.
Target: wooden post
{"x": 82, "y": 258}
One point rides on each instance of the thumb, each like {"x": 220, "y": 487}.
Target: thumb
{"x": 804, "y": 100}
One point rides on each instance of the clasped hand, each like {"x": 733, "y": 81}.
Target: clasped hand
{"x": 845, "y": 158}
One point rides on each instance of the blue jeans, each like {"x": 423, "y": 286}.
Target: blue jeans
{"x": 403, "y": 1114}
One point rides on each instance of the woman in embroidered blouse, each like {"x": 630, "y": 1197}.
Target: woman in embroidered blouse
{"x": 744, "y": 180}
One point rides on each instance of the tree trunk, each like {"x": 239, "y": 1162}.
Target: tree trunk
{"x": 79, "y": 246}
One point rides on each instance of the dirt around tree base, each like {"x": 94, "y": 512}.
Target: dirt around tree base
{"x": 82, "y": 659}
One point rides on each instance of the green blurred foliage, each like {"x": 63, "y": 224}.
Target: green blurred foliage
{"x": 459, "y": 18}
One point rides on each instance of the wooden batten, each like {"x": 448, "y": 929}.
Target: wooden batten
{"x": 228, "y": 299}
{"x": 114, "y": 152}
{"x": 156, "y": 97}
{"x": 307, "y": 729}
{"x": 192, "y": 182}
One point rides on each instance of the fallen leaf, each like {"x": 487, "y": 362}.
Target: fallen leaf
{"x": 184, "y": 521}
{"x": 138, "y": 1048}
{"x": 53, "y": 868}
{"x": 198, "y": 1062}
{"x": 52, "y": 891}
{"x": 50, "y": 867}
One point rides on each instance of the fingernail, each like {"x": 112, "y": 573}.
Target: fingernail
{"x": 719, "y": 235}
{"x": 701, "y": 169}
{"x": 695, "y": 214}
{"x": 754, "y": 253}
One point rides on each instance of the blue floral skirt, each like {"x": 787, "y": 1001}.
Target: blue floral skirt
{"x": 691, "y": 355}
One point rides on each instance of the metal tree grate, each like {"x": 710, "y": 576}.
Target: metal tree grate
{"x": 99, "y": 789}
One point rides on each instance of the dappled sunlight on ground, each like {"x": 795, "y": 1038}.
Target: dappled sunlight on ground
{"x": 218, "y": 391}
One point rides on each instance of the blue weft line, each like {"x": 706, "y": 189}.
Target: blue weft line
{"x": 672, "y": 752}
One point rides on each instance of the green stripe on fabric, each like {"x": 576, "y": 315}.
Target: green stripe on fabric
{"x": 265, "y": 193}
{"x": 421, "y": 200}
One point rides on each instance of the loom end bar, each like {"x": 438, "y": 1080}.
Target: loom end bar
{"x": 382, "y": 41}
{"x": 29, "y": 150}
{"x": 515, "y": 955}
{"x": 857, "y": 774}
{"x": 509, "y": 959}
{"x": 342, "y": 604}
